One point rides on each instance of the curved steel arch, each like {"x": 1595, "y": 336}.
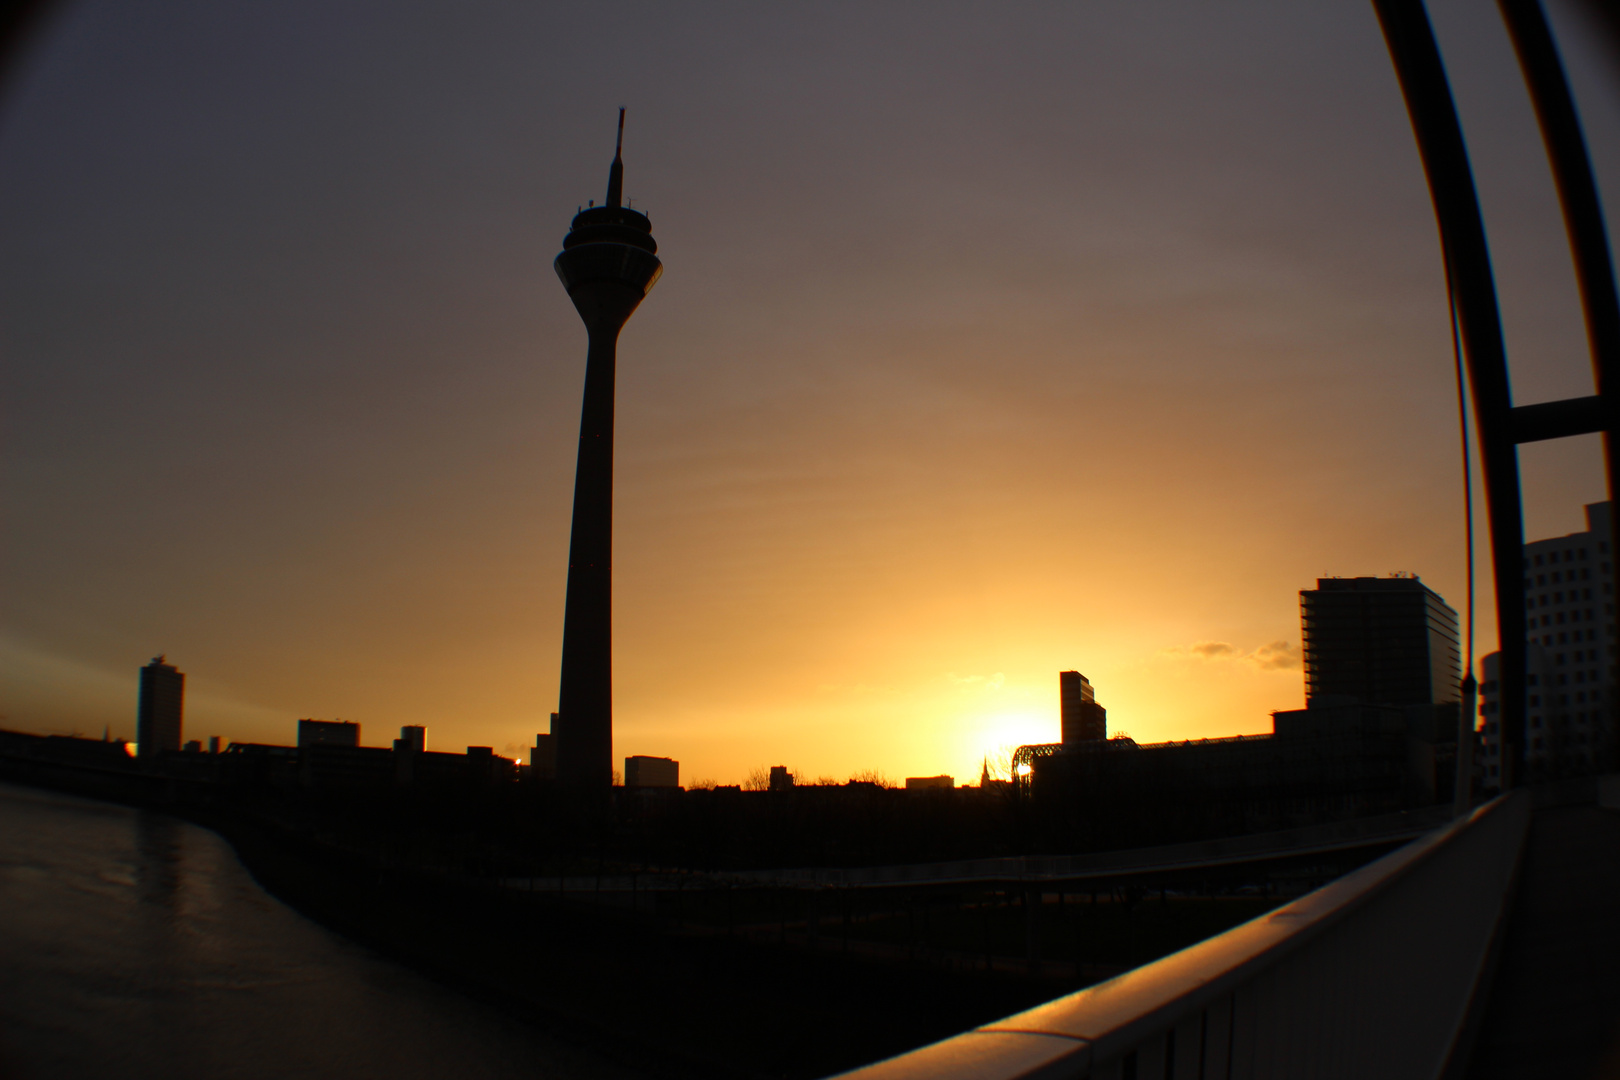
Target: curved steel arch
{"x": 1500, "y": 426}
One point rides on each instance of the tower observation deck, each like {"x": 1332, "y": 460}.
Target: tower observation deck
{"x": 608, "y": 264}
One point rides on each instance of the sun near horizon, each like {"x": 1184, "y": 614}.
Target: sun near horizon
{"x": 977, "y": 357}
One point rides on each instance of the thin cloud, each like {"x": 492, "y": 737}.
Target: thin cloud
{"x": 1278, "y": 656}
{"x": 992, "y": 682}
{"x": 1274, "y": 656}
{"x": 1210, "y": 650}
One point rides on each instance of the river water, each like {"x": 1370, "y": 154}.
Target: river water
{"x": 135, "y": 945}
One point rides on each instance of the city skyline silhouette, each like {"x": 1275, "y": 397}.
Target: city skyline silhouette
{"x": 987, "y": 357}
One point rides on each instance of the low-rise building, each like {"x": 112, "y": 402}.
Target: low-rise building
{"x": 328, "y": 733}
{"x": 641, "y": 771}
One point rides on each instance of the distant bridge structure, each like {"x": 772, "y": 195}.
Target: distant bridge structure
{"x": 1154, "y": 864}
{"x": 1419, "y": 964}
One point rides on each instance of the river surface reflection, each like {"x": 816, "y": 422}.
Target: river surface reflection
{"x": 135, "y": 945}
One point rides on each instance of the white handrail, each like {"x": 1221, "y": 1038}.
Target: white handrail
{"x": 1371, "y": 975}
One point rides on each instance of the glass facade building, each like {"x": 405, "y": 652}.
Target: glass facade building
{"x": 1378, "y": 641}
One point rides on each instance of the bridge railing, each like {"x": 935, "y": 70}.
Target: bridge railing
{"x": 1371, "y": 975}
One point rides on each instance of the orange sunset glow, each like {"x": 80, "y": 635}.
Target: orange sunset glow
{"x": 989, "y": 344}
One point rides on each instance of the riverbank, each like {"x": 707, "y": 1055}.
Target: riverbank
{"x": 648, "y": 995}
{"x": 136, "y": 945}
{"x": 632, "y": 987}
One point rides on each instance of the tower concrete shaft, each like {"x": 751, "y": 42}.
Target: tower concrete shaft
{"x": 608, "y": 264}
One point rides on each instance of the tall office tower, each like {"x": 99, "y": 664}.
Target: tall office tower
{"x": 1083, "y": 719}
{"x": 1378, "y": 641}
{"x": 158, "y": 713}
{"x": 1570, "y": 668}
{"x": 608, "y": 264}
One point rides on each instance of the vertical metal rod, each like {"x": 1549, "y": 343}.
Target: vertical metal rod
{"x": 1422, "y": 76}
{"x": 1462, "y": 800}
{"x": 1583, "y": 221}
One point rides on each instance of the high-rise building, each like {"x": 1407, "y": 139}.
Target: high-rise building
{"x": 1378, "y": 641}
{"x": 158, "y": 712}
{"x": 608, "y": 263}
{"x": 1570, "y": 676}
{"x": 1083, "y": 719}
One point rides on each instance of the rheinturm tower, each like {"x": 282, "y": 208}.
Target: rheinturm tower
{"x": 608, "y": 264}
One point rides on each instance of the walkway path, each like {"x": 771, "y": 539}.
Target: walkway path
{"x": 1554, "y": 1009}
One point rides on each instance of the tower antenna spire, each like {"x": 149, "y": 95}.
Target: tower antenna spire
{"x": 609, "y": 260}
{"x": 615, "y": 193}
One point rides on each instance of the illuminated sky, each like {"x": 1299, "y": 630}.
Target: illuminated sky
{"x": 993, "y": 340}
